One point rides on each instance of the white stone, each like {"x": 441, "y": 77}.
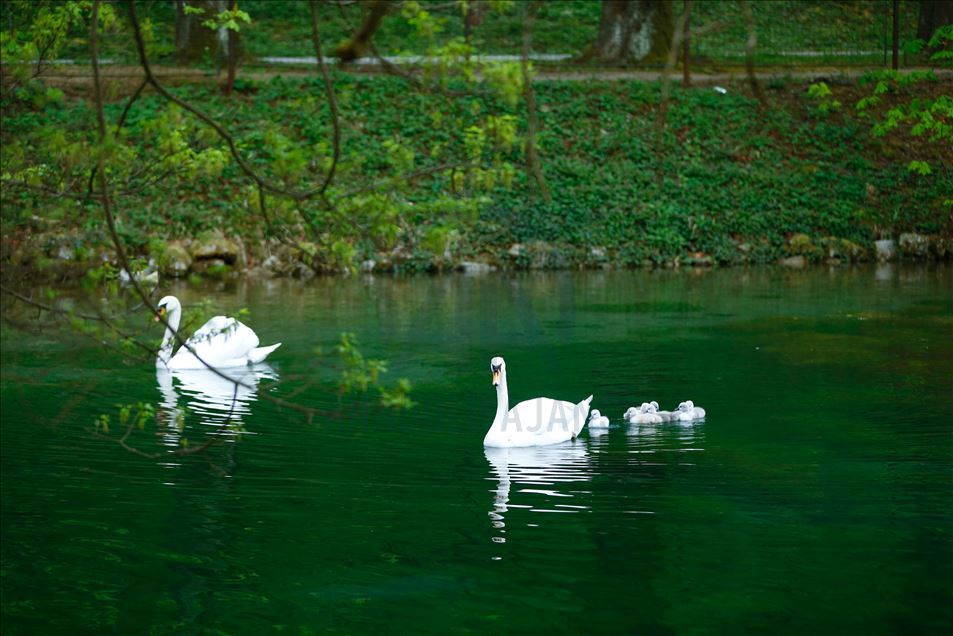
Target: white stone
{"x": 472, "y": 267}
{"x": 886, "y": 250}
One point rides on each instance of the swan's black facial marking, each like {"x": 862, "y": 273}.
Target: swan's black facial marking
{"x": 496, "y": 370}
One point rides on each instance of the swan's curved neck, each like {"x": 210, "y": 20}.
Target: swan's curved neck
{"x": 168, "y": 340}
{"x": 502, "y": 402}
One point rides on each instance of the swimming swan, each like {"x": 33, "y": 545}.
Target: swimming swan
{"x": 667, "y": 416}
{"x": 688, "y": 412}
{"x": 535, "y": 422}
{"x": 222, "y": 342}
{"x": 645, "y": 418}
{"x": 598, "y": 420}
{"x": 642, "y": 415}
{"x": 697, "y": 410}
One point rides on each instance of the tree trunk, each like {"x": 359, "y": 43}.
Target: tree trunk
{"x": 232, "y": 54}
{"x": 533, "y": 166}
{"x": 635, "y": 31}
{"x": 193, "y": 41}
{"x": 473, "y": 16}
{"x": 356, "y": 46}
{"x": 750, "y": 45}
{"x": 687, "y": 45}
{"x": 933, "y": 15}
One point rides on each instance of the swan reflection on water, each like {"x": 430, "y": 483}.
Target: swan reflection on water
{"x": 647, "y": 443}
{"x": 662, "y": 436}
{"x": 537, "y": 478}
{"x": 219, "y": 402}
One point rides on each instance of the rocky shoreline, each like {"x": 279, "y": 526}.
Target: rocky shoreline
{"x": 52, "y": 256}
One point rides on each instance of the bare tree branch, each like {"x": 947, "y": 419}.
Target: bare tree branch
{"x": 107, "y": 208}
{"x": 329, "y": 88}
{"x": 358, "y": 43}
{"x": 413, "y": 175}
{"x": 224, "y": 134}
{"x": 122, "y": 120}
{"x": 15, "y": 183}
{"x": 75, "y": 314}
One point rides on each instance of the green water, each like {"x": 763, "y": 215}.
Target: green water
{"x": 817, "y": 497}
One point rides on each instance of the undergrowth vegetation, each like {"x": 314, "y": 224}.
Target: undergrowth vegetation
{"x": 726, "y": 180}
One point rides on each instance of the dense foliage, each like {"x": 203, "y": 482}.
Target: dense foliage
{"x": 428, "y": 169}
{"x": 735, "y": 183}
{"x": 851, "y": 32}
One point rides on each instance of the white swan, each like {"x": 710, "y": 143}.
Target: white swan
{"x": 683, "y": 413}
{"x": 148, "y": 277}
{"x": 535, "y": 422}
{"x": 643, "y": 414}
{"x": 688, "y": 412}
{"x": 667, "y": 416}
{"x": 598, "y": 420}
{"x": 221, "y": 343}
{"x": 697, "y": 410}
{"x": 643, "y": 417}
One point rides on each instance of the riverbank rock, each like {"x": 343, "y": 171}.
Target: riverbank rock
{"x": 913, "y": 245}
{"x": 839, "y": 249}
{"x": 886, "y": 250}
{"x": 473, "y": 267}
{"x": 699, "y": 259}
{"x": 175, "y": 260}
{"x": 216, "y": 247}
{"x": 215, "y": 267}
{"x": 942, "y": 247}
{"x": 281, "y": 262}
{"x": 794, "y": 262}
{"x": 802, "y": 245}
{"x": 542, "y": 255}
{"x": 398, "y": 257}
{"x": 303, "y": 271}
{"x": 147, "y": 277}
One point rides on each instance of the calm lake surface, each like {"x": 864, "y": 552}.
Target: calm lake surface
{"x": 817, "y": 497}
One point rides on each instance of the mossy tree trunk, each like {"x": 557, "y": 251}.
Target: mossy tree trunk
{"x": 634, "y": 31}
{"x": 193, "y": 41}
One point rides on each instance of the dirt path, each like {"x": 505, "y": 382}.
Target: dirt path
{"x": 122, "y": 80}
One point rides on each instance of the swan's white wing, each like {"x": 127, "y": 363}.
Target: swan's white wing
{"x": 222, "y": 341}
{"x": 542, "y": 421}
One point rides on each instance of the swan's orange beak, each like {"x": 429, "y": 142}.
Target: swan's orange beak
{"x": 161, "y": 313}
{"x": 496, "y": 378}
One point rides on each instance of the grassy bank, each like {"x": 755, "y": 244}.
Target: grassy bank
{"x": 727, "y": 181}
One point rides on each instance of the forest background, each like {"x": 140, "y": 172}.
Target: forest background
{"x": 429, "y": 136}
